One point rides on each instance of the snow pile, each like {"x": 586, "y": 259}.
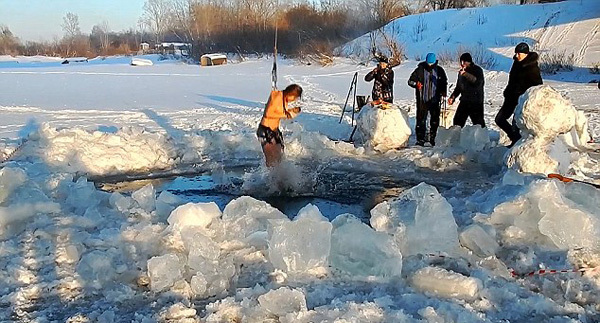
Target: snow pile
{"x": 444, "y": 283}
{"x": 542, "y": 115}
{"x": 383, "y": 129}
{"x": 551, "y": 214}
{"x": 136, "y": 61}
{"x": 96, "y": 152}
{"x": 420, "y": 220}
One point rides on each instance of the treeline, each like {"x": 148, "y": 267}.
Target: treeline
{"x": 243, "y": 26}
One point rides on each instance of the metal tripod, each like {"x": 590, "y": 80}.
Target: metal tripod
{"x": 352, "y": 88}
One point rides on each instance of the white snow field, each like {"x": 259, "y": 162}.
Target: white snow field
{"x": 137, "y": 194}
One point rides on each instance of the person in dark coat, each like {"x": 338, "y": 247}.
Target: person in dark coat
{"x": 383, "y": 87}
{"x": 430, "y": 83}
{"x": 524, "y": 74}
{"x": 469, "y": 86}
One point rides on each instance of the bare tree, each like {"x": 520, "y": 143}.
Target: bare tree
{"x": 157, "y": 15}
{"x": 383, "y": 11}
{"x": 448, "y": 4}
{"x": 71, "y": 25}
{"x": 101, "y": 34}
{"x": 9, "y": 44}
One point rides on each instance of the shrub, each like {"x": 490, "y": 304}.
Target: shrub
{"x": 552, "y": 62}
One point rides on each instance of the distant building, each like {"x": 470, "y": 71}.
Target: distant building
{"x": 177, "y": 49}
{"x": 144, "y": 47}
{"x": 213, "y": 59}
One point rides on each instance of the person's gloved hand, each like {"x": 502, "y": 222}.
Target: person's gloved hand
{"x": 419, "y": 86}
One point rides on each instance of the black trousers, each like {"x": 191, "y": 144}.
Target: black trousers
{"x": 466, "y": 109}
{"x": 505, "y": 112}
{"x": 433, "y": 109}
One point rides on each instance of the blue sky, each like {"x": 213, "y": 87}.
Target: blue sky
{"x": 41, "y": 19}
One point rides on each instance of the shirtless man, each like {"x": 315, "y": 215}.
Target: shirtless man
{"x": 268, "y": 132}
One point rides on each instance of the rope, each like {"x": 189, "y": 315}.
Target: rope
{"x": 542, "y": 272}
{"x": 274, "y": 70}
{"x": 13, "y": 153}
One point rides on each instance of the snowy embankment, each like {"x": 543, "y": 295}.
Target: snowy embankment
{"x": 490, "y": 34}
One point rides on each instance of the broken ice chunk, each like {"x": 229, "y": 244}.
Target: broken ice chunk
{"x": 145, "y": 198}
{"x": 311, "y": 212}
{"x": 10, "y": 179}
{"x": 199, "y": 285}
{"x": 430, "y": 225}
{"x": 300, "y": 245}
{"x": 120, "y": 202}
{"x": 164, "y": 271}
{"x": 283, "y": 301}
{"x": 200, "y": 247}
{"x": 444, "y": 283}
{"x": 97, "y": 268}
{"x": 358, "y": 249}
{"x": 166, "y": 203}
{"x": 194, "y": 214}
{"x": 246, "y": 216}
{"x": 479, "y": 241}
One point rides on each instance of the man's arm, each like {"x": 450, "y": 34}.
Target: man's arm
{"x": 371, "y": 75}
{"x": 413, "y": 80}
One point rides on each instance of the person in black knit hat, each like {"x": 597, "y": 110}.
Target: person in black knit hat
{"x": 469, "y": 86}
{"x": 524, "y": 73}
{"x": 383, "y": 87}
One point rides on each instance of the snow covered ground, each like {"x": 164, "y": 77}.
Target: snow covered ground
{"x": 456, "y": 248}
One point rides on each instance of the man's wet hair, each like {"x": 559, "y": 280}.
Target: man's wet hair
{"x": 293, "y": 89}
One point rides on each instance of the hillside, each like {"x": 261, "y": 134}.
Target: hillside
{"x": 570, "y": 27}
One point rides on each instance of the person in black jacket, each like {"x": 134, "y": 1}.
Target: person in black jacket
{"x": 430, "y": 83}
{"x": 383, "y": 87}
{"x": 524, "y": 74}
{"x": 470, "y": 85}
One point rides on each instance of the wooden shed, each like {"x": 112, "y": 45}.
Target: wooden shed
{"x": 213, "y": 59}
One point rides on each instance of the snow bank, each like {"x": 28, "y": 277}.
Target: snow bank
{"x": 383, "y": 129}
{"x": 542, "y": 115}
{"x": 96, "y": 152}
{"x": 444, "y": 283}
{"x": 420, "y": 220}
{"x": 556, "y": 27}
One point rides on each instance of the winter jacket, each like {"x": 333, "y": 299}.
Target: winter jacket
{"x": 383, "y": 87}
{"x": 470, "y": 85}
{"x": 523, "y": 75}
{"x": 418, "y": 76}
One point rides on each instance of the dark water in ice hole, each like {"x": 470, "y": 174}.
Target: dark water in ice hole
{"x": 333, "y": 192}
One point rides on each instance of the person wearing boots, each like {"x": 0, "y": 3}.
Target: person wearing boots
{"x": 383, "y": 87}
{"x": 430, "y": 83}
{"x": 469, "y": 86}
{"x": 524, "y": 74}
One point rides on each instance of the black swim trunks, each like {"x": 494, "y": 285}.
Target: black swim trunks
{"x": 267, "y": 136}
